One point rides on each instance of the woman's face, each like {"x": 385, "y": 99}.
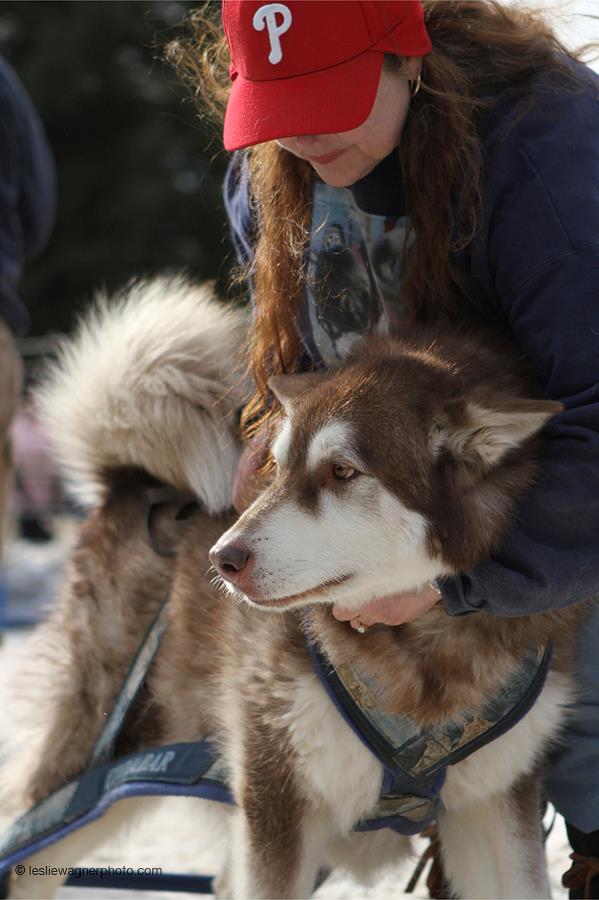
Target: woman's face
{"x": 342, "y": 159}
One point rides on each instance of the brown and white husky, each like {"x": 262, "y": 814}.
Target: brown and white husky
{"x": 406, "y": 464}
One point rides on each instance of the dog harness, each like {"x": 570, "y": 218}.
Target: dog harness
{"x": 414, "y": 760}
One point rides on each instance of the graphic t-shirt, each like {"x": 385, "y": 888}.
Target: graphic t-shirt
{"x": 353, "y": 285}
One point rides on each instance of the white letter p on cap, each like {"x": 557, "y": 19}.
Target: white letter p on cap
{"x": 267, "y": 16}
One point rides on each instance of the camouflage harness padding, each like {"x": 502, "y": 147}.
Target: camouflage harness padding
{"x": 414, "y": 760}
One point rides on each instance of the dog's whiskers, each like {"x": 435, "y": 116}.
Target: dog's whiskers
{"x": 219, "y": 584}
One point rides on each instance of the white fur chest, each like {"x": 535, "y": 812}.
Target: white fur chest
{"x": 345, "y": 778}
{"x": 496, "y": 766}
{"x": 339, "y": 772}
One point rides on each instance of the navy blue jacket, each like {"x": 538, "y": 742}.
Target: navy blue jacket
{"x": 27, "y": 192}
{"x": 535, "y": 263}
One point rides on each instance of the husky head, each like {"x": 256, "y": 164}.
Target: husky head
{"x": 404, "y": 465}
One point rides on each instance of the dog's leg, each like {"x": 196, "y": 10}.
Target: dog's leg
{"x": 70, "y": 851}
{"x": 278, "y": 843}
{"x": 222, "y": 884}
{"x": 495, "y": 848}
{"x": 271, "y": 857}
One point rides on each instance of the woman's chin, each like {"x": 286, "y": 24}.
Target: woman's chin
{"x": 337, "y": 181}
{"x": 343, "y": 176}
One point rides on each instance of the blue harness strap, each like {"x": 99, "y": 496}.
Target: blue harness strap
{"x": 414, "y": 760}
{"x": 183, "y": 769}
{"x": 189, "y": 769}
{"x": 143, "y": 659}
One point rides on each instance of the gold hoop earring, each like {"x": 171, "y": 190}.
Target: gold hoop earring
{"x": 415, "y": 85}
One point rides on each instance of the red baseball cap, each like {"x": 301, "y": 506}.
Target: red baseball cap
{"x": 311, "y": 66}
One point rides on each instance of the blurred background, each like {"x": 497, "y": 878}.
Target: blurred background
{"x": 138, "y": 176}
{"x": 138, "y": 192}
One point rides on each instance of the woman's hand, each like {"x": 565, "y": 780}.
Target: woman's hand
{"x": 394, "y": 609}
{"x": 248, "y": 484}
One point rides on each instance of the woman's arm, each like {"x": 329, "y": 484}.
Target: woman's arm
{"x": 551, "y": 557}
{"x": 538, "y": 261}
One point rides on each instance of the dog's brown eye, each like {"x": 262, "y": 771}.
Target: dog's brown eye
{"x": 343, "y": 472}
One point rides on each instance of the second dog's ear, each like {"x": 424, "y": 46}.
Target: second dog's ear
{"x": 166, "y": 519}
{"x": 287, "y": 388}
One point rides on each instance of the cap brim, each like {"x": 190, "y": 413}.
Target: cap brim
{"x": 325, "y": 102}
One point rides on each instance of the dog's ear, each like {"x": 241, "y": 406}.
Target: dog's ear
{"x": 492, "y": 429}
{"x": 287, "y": 388}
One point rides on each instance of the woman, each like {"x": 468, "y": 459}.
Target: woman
{"x": 399, "y": 161}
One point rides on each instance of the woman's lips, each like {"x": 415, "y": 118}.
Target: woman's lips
{"x": 326, "y": 158}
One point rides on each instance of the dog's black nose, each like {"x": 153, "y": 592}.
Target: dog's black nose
{"x": 229, "y": 559}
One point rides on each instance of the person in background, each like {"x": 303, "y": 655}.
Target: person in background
{"x": 27, "y": 214}
{"x": 398, "y": 161}
{"x": 38, "y": 491}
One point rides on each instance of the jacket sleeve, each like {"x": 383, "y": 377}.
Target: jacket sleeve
{"x": 551, "y": 556}
{"x": 27, "y": 191}
{"x": 538, "y": 263}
